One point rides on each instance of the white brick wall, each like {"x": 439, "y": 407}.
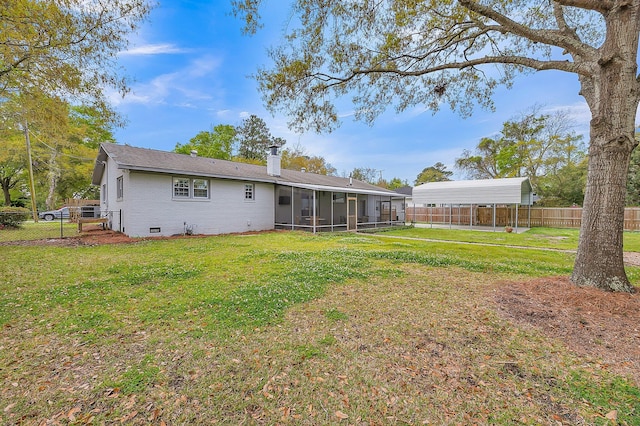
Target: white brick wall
{"x": 148, "y": 203}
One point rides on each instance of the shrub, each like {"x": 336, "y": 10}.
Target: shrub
{"x": 12, "y": 217}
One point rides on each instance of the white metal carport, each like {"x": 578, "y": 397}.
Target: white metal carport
{"x": 489, "y": 192}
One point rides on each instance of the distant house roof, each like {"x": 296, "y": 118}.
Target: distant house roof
{"x": 405, "y": 190}
{"x": 150, "y": 160}
{"x": 483, "y": 191}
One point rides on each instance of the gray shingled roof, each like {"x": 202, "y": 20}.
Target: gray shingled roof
{"x": 405, "y": 190}
{"x": 143, "y": 159}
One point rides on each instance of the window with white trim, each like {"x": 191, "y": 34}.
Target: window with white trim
{"x": 186, "y": 188}
{"x": 181, "y": 188}
{"x": 200, "y": 188}
{"x": 249, "y": 192}
{"x": 119, "y": 187}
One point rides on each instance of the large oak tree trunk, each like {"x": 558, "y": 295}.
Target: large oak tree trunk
{"x": 611, "y": 90}
{"x": 599, "y": 262}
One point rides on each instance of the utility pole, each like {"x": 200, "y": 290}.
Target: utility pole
{"x": 34, "y": 208}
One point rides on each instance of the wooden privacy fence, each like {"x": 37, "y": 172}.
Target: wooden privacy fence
{"x": 552, "y": 217}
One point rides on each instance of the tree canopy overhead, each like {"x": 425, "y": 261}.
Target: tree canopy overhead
{"x": 403, "y": 53}
{"x": 420, "y": 52}
{"x": 66, "y": 47}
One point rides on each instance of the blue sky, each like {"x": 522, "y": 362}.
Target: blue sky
{"x": 191, "y": 69}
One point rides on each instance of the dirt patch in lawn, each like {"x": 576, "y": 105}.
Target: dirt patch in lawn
{"x": 93, "y": 236}
{"x": 590, "y": 322}
{"x": 89, "y": 237}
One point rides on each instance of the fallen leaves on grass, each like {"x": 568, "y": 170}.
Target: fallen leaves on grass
{"x": 591, "y": 322}
{"x": 342, "y": 416}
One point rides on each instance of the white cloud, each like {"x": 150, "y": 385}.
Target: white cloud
{"x": 223, "y": 113}
{"x": 183, "y": 87}
{"x": 153, "y": 49}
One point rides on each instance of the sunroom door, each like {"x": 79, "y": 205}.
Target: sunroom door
{"x": 352, "y": 213}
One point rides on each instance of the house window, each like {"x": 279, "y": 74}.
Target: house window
{"x": 119, "y": 187}
{"x": 249, "y": 191}
{"x": 190, "y": 188}
{"x": 200, "y": 188}
{"x": 181, "y": 187}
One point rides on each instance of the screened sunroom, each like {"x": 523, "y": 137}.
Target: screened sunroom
{"x": 318, "y": 208}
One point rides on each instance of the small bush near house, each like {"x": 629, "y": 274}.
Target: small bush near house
{"x": 12, "y": 217}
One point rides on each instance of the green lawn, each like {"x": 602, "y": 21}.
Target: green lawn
{"x": 285, "y": 327}
{"x": 556, "y": 238}
{"x": 38, "y": 231}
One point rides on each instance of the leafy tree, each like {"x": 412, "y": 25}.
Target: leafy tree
{"x": 436, "y": 173}
{"x": 436, "y": 53}
{"x": 217, "y": 143}
{"x": 530, "y": 145}
{"x": 255, "y": 139}
{"x": 63, "y": 140}
{"x": 564, "y": 186}
{"x": 13, "y": 163}
{"x": 541, "y": 147}
{"x": 56, "y": 51}
{"x": 66, "y": 47}
{"x": 487, "y": 161}
{"x": 366, "y": 174}
{"x": 297, "y": 158}
{"x": 91, "y": 127}
{"x": 393, "y": 184}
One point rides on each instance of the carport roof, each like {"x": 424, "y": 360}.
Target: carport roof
{"x": 482, "y": 191}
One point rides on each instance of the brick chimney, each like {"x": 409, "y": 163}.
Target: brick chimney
{"x": 273, "y": 161}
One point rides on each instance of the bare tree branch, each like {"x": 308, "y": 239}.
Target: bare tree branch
{"x": 550, "y": 37}
{"x": 602, "y": 6}
{"x": 509, "y": 60}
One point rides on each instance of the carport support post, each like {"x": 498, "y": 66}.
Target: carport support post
{"x": 516, "y": 218}
{"x": 61, "y": 227}
{"x": 450, "y": 214}
{"x": 471, "y": 216}
{"x": 494, "y": 218}
{"x": 431, "y": 214}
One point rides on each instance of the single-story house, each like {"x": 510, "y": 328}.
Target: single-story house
{"x": 147, "y": 192}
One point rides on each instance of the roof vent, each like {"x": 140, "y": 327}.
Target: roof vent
{"x": 303, "y": 170}
{"x": 194, "y": 153}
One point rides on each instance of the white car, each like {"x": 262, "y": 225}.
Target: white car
{"x": 55, "y": 214}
